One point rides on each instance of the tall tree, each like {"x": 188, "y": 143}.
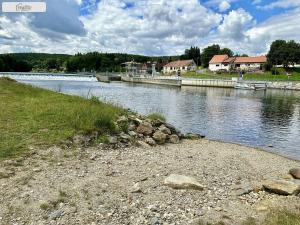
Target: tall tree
{"x": 226, "y": 51}
{"x": 192, "y": 53}
{"x": 284, "y": 53}
{"x": 208, "y": 53}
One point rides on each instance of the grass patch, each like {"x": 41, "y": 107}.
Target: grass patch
{"x": 156, "y": 116}
{"x": 31, "y": 116}
{"x": 277, "y": 218}
{"x": 283, "y": 218}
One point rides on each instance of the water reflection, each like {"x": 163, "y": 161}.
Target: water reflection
{"x": 247, "y": 117}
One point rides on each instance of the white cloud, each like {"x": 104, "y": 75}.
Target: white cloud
{"x": 234, "y": 25}
{"x": 160, "y": 27}
{"x": 256, "y": 2}
{"x": 281, "y": 4}
{"x": 224, "y": 6}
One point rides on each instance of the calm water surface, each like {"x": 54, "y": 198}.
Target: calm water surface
{"x": 251, "y": 118}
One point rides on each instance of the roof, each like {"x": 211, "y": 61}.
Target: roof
{"x": 229, "y": 60}
{"x": 226, "y": 59}
{"x": 218, "y": 59}
{"x": 180, "y": 63}
{"x": 256, "y": 59}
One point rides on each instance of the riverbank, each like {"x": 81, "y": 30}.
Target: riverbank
{"x": 100, "y": 185}
{"x": 32, "y": 116}
{"x": 69, "y": 160}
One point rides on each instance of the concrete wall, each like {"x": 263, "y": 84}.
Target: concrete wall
{"x": 209, "y": 83}
{"x": 284, "y": 85}
{"x": 150, "y": 80}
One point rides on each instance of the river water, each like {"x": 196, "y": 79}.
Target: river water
{"x": 259, "y": 119}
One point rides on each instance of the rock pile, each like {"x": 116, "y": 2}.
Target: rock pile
{"x": 136, "y": 129}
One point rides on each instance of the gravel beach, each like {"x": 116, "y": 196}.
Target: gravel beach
{"x": 100, "y": 185}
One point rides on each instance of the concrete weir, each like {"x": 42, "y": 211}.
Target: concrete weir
{"x": 153, "y": 80}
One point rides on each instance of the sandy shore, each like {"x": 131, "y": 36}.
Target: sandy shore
{"x": 96, "y": 185}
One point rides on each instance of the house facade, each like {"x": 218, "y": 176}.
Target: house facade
{"x": 180, "y": 66}
{"x": 224, "y": 62}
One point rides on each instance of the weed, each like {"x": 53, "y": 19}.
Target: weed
{"x": 156, "y": 116}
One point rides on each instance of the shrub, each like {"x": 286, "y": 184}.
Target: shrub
{"x": 105, "y": 123}
{"x": 156, "y": 116}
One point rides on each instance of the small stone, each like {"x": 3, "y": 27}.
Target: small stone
{"x": 145, "y": 128}
{"x": 136, "y": 188}
{"x": 132, "y": 133}
{"x": 93, "y": 157}
{"x": 122, "y": 119}
{"x": 288, "y": 177}
{"x": 174, "y": 139}
{"x": 142, "y": 144}
{"x": 295, "y": 172}
{"x": 112, "y": 140}
{"x": 182, "y": 182}
{"x": 160, "y": 137}
{"x": 150, "y": 141}
{"x": 155, "y": 221}
{"x": 282, "y": 187}
{"x": 56, "y": 214}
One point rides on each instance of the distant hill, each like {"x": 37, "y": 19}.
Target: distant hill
{"x": 93, "y": 61}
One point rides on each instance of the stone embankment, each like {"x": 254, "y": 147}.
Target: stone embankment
{"x": 137, "y": 130}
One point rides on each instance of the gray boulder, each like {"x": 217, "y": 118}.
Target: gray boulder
{"x": 164, "y": 129}
{"x": 145, "y": 128}
{"x": 282, "y": 187}
{"x": 295, "y": 172}
{"x": 160, "y": 137}
{"x": 150, "y": 141}
{"x": 174, "y": 139}
{"x": 182, "y": 182}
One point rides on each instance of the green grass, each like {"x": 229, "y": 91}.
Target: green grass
{"x": 32, "y": 116}
{"x": 156, "y": 116}
{"x": 265, "y": 76}
{"x": 283, "y": 218}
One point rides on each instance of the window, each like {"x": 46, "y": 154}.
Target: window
{"x": 238, "y": 65}
{"x": 217, "y": 65}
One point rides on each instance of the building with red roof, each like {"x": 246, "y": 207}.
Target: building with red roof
{"x": 224, "y": 62}
{"x": 180, "y": 66}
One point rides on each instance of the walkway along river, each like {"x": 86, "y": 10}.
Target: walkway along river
{"x": 259, "y": 119}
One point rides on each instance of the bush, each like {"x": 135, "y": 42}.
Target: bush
{"x": 156, "y": 116}
{"x": 105, "y": 123}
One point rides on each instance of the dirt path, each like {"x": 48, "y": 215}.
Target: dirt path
{"x": 96, "y": 185}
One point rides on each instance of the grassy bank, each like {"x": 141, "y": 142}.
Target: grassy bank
{"x": 294, "y": 75}
{"x": 32, "y": 116}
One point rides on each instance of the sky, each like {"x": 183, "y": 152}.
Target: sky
{"x": 150, "y": 27}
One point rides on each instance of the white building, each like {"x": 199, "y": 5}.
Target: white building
{"x": 181, "y": 66}
{"x": 224, "y": 62}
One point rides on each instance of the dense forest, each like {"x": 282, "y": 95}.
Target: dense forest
{"x": 281, "y": 53}
{"x": 89, "y": 62}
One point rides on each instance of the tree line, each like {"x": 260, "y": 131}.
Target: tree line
{"x": 281, "y": 53}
